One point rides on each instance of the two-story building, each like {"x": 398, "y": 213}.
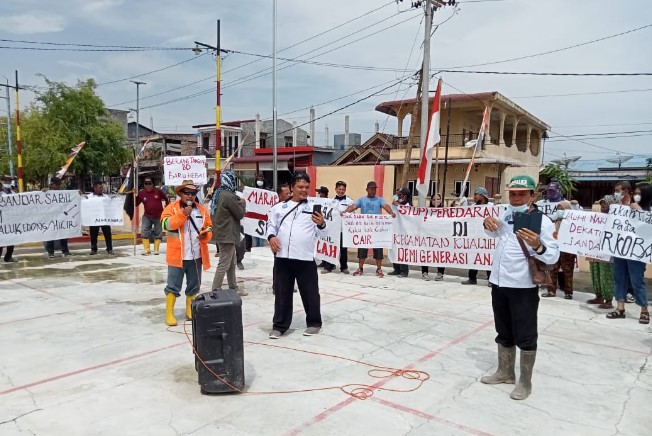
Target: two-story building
{"x": 513, "y": 143}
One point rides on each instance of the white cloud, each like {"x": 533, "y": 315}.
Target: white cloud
{"x": 99, "y": 5}
{"x": 34, "y": 22}
{"x": 77, "y": 64}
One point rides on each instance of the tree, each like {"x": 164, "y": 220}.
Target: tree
{"x": 62, "y": 117}
{"x": 648, "y": 169}
{"x": 559, "y": 173}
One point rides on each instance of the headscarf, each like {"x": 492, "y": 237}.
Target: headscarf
{"x": 228, "y": 182}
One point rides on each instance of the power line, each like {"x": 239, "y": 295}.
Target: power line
{"x": 153, "y": 71}
{"x": 533, "y": 73}
{"x": 575, "y": 94}
{"x": 608, "y": 133}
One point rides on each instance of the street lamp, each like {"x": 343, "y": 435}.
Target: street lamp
{"x": 218, "y": 128}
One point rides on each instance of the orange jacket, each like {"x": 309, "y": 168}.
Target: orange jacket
{"x": 172, "y": 220}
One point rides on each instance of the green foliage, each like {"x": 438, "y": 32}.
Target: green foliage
{"x": 61, "y": 117}
{"x": 648, "y": 167}
{"x": 559, "y": 173}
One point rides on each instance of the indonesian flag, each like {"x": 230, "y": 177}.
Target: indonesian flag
{"x": 432, "y": 139}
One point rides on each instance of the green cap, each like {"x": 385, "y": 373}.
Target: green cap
{"x": 521, "y": 183}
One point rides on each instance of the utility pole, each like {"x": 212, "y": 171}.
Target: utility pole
{"x": 9, "y": 145}
{"x": 274, "y": 109}
{"x": 410, "y": 143}
{"x": 19, "y": 145}
{"x": 425, "y": 87}
{"x": 136, "y": 156}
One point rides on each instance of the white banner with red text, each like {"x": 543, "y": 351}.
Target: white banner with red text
{"x": 176, "y": 169}
{"x": 328, "y": 247}
{"x": 259, "y": 202}
{"x": 447, "y": 237}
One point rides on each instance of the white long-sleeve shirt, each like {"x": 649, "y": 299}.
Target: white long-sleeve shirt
{"x": 297, "y": 234}
{"x": 343, "y": 204}
{"x": 510, "y": 267}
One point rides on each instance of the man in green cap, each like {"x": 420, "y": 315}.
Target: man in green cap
{"x": 514, "y": 299}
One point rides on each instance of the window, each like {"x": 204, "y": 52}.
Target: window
{"x": 433, "y": 188}
{"x": 263, "y": 140}
{"x": 458, "y": 188}
{"x": 288, "y": 141}
{"x": 412, "y": 187}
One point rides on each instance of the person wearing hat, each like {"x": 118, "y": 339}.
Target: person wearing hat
{"x": 370, "y": 205}
{"x": 401, "y": 198}
{"x": 55, "y": 185}
{"x": 7, "y": 189}
{"x": 189, "y": 228}
{"x": 514, "y": 298}
{"x": 480, "y": 198}
{"x": 153, "y": 200}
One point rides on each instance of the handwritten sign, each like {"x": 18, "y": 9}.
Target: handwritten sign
{"x": 549, "y": 208}
{"x": 627, "y": 234}
{"x": 180, "y": 168}
{"x": 102, "y": 211}
{"x": 328, "y": 247}
{"x": 448, "y": 237}
{"x": 580, "y": 233}
{"x": 367, "y": 231}
{"x": 39, "y": 216}
{"x": 259, "y": 202}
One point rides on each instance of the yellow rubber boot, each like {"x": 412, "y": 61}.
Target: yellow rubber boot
{"x": 146, "y": 250}
{"x": 170, "y": 299}
{"x": 189, "y": 301}
{"x": 157, "y": 244}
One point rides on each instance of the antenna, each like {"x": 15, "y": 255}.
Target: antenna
{"x": 619, "y": 159}
{"x": 566, "y": 161}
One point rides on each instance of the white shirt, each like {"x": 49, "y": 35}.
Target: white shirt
{"x": 191, "y": 248}
{"x": 297, "y": 234}
{"x": 342, "y": 205}
{"x": 510, "y": 267}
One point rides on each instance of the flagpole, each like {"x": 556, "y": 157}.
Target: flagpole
{"x": 448, "y": 132}
{"x": 425, "y": 74}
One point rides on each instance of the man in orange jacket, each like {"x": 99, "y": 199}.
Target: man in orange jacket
{"x": 189, "y": 228}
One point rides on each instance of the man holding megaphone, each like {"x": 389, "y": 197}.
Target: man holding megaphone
{"x": 189, "y": 228}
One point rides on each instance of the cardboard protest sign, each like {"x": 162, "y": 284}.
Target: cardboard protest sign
{"x": 180, "y": 168}
{"x": 259, "y": 202}
{"x": 102, "y": 211}
{"x": 548, "y": 208}
{"x": 580, "y": 233}
{"x": 367, "y": 231}
{"x": 627, "y": 234}
{"x": 39, "y": 216}
{"x": 444, "y": 237}
{"x": 328, "y": 247}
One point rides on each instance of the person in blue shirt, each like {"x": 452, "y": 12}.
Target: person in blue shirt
{"x": 370, "y": 205}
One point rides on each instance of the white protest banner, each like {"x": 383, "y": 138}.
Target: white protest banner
{"x": 39, "y": 216}
{"x": 580, "y": 232}
{"x": 547, "y": 207}
{"x": 448, "y": 237}
{"x": 259, "y": 202}
{"x": 102, "y": 211}
{"x": 627, "y": 234}
{"x": 180, "y": 168}
{"x": 328, "y": 247}
{"x": 367, "y": 231}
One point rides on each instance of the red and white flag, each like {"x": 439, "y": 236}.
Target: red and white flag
{"x": 432, "y": 139}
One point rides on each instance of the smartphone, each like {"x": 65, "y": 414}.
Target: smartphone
{"x": 316, "y": 208}
{"x": 528, "y": 220}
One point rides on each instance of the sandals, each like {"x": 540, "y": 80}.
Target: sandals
{"x": 549, "y": 294}
{"x": 616, "y": 314}
{"x": 645, "y": 318}
{"x": 606, "y": 305}
{"x": 596, "y": 300}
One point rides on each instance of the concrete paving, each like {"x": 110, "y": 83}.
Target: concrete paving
{"x": 85, "y": 352}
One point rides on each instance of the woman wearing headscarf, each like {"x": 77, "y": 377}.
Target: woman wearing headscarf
{"x": 227, "y": 210}
{"x": 602, "y": 272}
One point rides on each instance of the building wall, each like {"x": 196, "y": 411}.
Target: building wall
{"x": 356, "y": 178}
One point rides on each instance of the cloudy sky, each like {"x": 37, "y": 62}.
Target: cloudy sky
{"x": 614, "y": 112}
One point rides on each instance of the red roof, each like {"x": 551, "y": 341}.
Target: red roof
{"x": 387, "y": 106}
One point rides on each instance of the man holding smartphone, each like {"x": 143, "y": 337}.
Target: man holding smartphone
{"x": 514, "y": 298}
{"x": 293, "y": 227}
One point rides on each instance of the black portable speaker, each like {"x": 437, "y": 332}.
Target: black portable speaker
{"x": 218, "y": 339}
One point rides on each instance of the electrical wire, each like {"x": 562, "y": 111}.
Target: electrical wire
{"x": 153, "y": 71}
{"x": 575, "y": 94}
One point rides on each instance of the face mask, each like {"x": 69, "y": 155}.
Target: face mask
{"x": 395, "y": 197}
{"x": 618, "y": 196}
{"x": 6, "y": 185}
{"x": 521, "y": 209}
{"x": 259, "y": 183}
{"x": 637, "y": 198}
{"x": 559, "y": 214}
